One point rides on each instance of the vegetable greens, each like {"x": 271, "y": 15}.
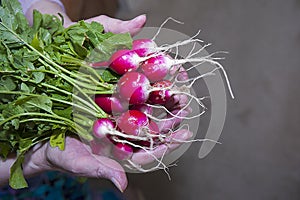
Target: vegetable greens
{"x": 47, "y": 84}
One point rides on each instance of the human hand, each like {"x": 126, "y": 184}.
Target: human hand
{"x": 114, "y": 25}
{"x": 75, "y": 159}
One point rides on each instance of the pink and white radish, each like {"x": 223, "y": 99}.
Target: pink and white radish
{"x": 155, "y": 67}
{"x": 144, "y": 47}
{"x": 161, "y": 94}
{"x": 144, "y": 108}
{"x": 110, "y": 104}
{"x": 123, "y": 61}
{"x": 131, "y": 122}
{"x": 133, "y": 87}
{"x": 122, "y": 151}
{"x": 131, "y": 125}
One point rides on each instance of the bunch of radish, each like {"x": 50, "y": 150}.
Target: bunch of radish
{"x": 149, "y": 82}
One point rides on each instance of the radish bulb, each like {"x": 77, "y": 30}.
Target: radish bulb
{"x": 161, "y": 93}
{"x": 144, "y": 108}
{"x": 122, "y": 151}
{"x": 132, "y": 121}
{"x": 144, "y": 47}
{"x": 133, "y": 87}
{"x": 110, "y": 104}
{"x": 102, "y": 127}
{"x": 123, "y": 61}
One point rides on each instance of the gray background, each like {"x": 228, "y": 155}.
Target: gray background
{"x": 260, "y": 153}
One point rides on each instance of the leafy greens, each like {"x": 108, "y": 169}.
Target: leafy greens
{"x": 47, "y": 84}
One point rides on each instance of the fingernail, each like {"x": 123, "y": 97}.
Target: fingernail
{"x": 189, "y": 134}
{"x": 117, "y": 184}
{"x": 138, "y": 18}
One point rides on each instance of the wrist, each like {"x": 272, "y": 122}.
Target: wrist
{"x": 53, "y": 7}
{"x": 35, "y": 160}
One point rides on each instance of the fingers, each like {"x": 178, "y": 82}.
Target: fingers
{"x": 78, "y": 160}
{"x": 176, "y": 139}
{"x": 177, "y": 101}
{"x": 172, "y": 122}
{"x": 180, "y": 72}
{"x": 104, "y": 167}
{"x": 119, "y": 26}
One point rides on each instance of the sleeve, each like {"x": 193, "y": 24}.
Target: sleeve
{"x": 26, "y": 4}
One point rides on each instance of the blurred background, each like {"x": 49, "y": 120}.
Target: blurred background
{"x": 259, "y": 157}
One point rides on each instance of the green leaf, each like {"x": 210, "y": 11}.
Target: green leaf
{"x": 52, "y": 23}
{"x": 37, "y": 43}
{"x": 12, "y": 16}
{"x": 13, "y": 6}
{"x": 41, "y": 102}
{"x": 17, "y": 180}
{"x": 16, "y": 123}
{"x": 119, "y": 41}
{"x": 109, "y": 76}
{"x": 7, "y": 83}
{"x": 110, "y": 45}
{"x": 59, "y": 39}
{"x": 5, "y": 149}
{"x": 45, "y": 36}
{"x": 25, "y": 88}
{"x": 96, "y": 27}
{"x": 37, "y": 20}
{"x": 77, "y": 34}
{"x": 34, "y": 103}
{"x": 39, "y": 76}
{"x": 7, "y": 18}
{"x": 22, "y": 22}
{"x": 25, "y": 144}
{"x": 66, "y": 113}
{"x": 57, "y": 139}
{"x": 11, "y": 110}
{"x": 80, "y": 50}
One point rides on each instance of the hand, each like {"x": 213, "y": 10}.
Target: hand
{"x": 75, "y": 159}
{"x": 118, "y": 26}
{"x": 110, "y": 24}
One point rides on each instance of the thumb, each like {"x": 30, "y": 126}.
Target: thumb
{"x": 94, "y": 166}
{"x": 119, "y": 26}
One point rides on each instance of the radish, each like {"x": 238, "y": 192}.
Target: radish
{"x": 102, "y": 127}
{"x": 122, "y": 151}
{"x": 110, "y": 104}
{"x": 154, "y": 132}
{"x": 123, "y": 61}
{"x": 131, "y": 122}
{"x": 161, "y": 93}
{"x": 144, "y": 108}
{"x": 144, "y": 47}
{"x": 133, "y": 87}
{"x": 156, "y": 66}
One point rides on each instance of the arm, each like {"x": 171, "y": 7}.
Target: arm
{"x": 56, "y": 6}
{"x": 75, "y": 159}
{"x": 44, "y": 6}
{"x": 34, "y": 163}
